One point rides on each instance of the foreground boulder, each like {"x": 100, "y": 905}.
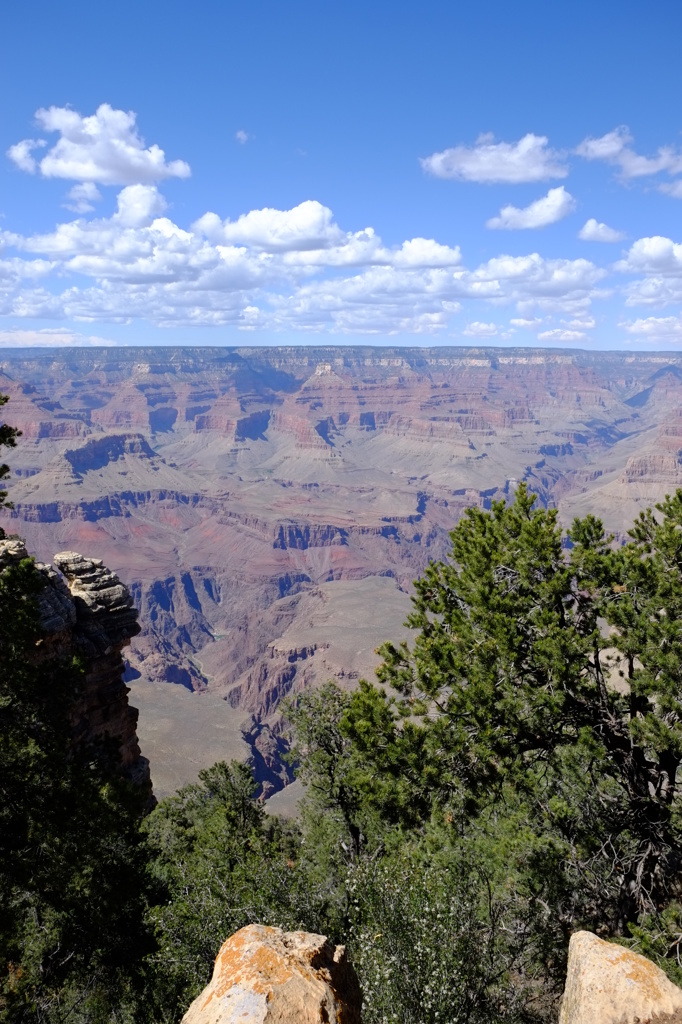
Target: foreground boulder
{"x": 264, "y": 975}
{"x": 608, "y": 984}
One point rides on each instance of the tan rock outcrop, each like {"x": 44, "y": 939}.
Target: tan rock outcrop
{"x": 608, "y": 984}
{"x": 264, "y": 975}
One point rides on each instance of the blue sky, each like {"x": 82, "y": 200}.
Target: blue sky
{"x": 276, "y": 173}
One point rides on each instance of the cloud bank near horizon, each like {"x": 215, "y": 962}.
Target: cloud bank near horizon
{"x": 298, "y": 270}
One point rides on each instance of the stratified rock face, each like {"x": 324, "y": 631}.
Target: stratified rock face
{"x": 87, "y": 611}
{"x": 607, "y": 984}
{"x": 264, "y": 975}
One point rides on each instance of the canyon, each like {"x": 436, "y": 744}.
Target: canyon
{"x": 269, "y": 508}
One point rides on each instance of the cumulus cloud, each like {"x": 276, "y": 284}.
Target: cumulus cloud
{"x": 138, "y": 205}
{"x": 656, "y": 254}
{"x": 310, "y": 225}
{"x": 656, "y": 329}
{"x": 379, "y": 301}
{"x": 81, "y": 197}
{"x": 556, "y": 205}
{"x": 424, "y": 298}
{"x": 525, "y": 322}
{"x": 21, "y": 154}
{"x": 49, "y": 338}
{"x": 607, "y": 147}
{"x": 581, "y": 324}
{"x": 424, "y": 252}
{"x": 596, "y": 231}
{"x": 242, "y": 137}
{"x": 561, "y": 334}
{"x": 103, "y": 148}
{"x": 307, "y": 236}
{"x": 532, "y": 282}
{"x": 658, "y": 262}
{"x": 529, "y": 159}
{"x": 478, "y": 329}
{"x": 276, "y": 269}
{"x": 614, "y": 148}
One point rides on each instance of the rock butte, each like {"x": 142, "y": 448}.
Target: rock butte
{"x": 269, "y": 508}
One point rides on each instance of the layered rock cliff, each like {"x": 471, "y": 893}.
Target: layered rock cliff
{"x": 87, "y": 612}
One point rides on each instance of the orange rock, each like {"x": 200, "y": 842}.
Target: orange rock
{"x": 264, "y": 975}
{"x": 608, "y": 984}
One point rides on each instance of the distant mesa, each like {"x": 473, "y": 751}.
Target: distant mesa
{"x": 98, "y": 452}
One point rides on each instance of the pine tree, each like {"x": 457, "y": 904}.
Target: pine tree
{"x": 8, "y": 439}
{"x": 523, "y": 690}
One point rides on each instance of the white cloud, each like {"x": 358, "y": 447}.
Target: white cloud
{"x": 562, "y": 335}
{"x": 529, "y": 159}
{"x": 614, "y": 148}
{"x": 20, "y": 154}
{"x": 581, "y": 324}
{"x": 607, "y": 147}
{"x": 658, "y": 261}
{"x": 656, "y": 328}
{"x": 104, "y": 148}
{"x": 142, "y": 265}
{"x": 138, "y": 205}
{"x": 672, "y": 188}
{"x": 310, "y": 225}
{"x": 379, "y": 300}
{"x": 556, "y": 205}
{"x": 477, "y": 329}
{"x": 654, "y": 291}
{"x": 526, "y": 323}
{"x": 424, "y": 252}
{"x": 596, "y": 231}
{"x": 528, "y": 280}
{"x": 307, "y": 237}
{"x": 48, "y": 338}
{"x": 81, "y": 197}
{"x": 381, "y": 296}
{"x": 656, "y": 254}
{"x": 242, "y": 137}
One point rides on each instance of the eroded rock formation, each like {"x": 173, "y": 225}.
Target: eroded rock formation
{"x": 252, "y": 496}
{"x": 607, "y": 984}
{"x": 87, "y": 611}
{"x": 265, "y": 975}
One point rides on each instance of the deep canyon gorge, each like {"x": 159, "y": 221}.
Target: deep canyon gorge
{"x": 269, "y": 507}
